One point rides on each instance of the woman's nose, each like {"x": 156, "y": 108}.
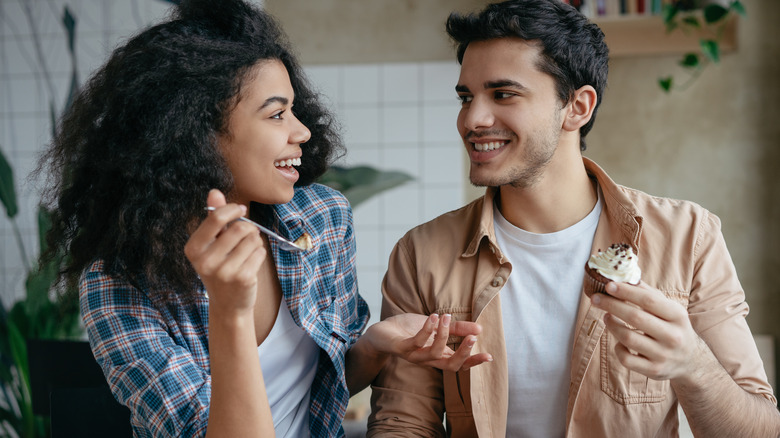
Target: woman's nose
{"x": 300, "y": 133}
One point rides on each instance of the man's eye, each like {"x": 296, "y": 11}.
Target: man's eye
{"x": 503, "y": 95}
{"x": 465, "y": 99}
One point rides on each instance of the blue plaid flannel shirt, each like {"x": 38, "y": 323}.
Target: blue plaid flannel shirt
{"x": 155, "y": 355}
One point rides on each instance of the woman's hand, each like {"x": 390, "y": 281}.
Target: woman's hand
{"x": 423, "y": 340}
{"x": 227, "y": 255}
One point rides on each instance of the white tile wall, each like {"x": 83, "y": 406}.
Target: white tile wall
{"x": 397, "y": 117}
{"x": 26, "y": 93}
{"x": 393, "y": 116}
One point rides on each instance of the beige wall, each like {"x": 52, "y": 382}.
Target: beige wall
{"x": 716, "y": 143}
{"x": 360, "y": 31}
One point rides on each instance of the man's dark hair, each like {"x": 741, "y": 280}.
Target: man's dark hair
{"x": 573, "y": 49}
{"x": 134, "y": 158}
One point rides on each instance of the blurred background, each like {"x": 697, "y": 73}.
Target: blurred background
{"x": 389, "y": 72}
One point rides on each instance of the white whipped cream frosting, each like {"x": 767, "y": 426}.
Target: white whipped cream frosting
{"x": 618, "y": 263}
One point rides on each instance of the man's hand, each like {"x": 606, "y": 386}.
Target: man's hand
{"x": 654, "y": 334}
{"x": 423, "y": 340}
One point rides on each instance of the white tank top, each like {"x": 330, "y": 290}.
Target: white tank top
{"x": 288, "y": 357}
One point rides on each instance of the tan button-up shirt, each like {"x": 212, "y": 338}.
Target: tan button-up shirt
{"x": 453, "y": 265}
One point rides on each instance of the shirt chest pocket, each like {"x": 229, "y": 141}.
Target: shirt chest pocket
{"x": 623, "y": 385}
{"x": 630, "y": 387}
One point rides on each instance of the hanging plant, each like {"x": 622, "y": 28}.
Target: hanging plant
{"x": 708, "y": 20}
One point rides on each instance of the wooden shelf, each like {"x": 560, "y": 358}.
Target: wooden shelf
{"x": 637, "y": 35}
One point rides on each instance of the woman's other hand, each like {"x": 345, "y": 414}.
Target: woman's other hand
{"x": 423, "y": 340}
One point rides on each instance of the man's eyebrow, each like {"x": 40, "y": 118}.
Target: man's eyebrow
{"x": 270, "y": 100}
{"x": 501, "y": 83}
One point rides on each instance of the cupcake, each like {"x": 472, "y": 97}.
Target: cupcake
{"x": 617, "y": 263}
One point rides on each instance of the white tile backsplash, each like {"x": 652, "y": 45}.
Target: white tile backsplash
{"x": 402, "y": 206}
{"x": 439, "y": 80}
{"x": 361, "y": 84}
{"x": 401, "y": 83}
{"x": 438, "y": 200}
{"x": 361, "y": 125}
{"x": 439, "y": 122}
{"x": 401, "y": 124}
{"x": 18, "y": 56}
{"x": 443, "y": 163}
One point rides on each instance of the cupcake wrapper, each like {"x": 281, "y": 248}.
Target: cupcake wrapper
{"x": 592, "y": 286}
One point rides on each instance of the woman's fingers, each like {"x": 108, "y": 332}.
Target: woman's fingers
{"x": 439, "y": 345}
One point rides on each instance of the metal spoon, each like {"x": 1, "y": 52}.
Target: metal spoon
{"x": 283, "y": 243}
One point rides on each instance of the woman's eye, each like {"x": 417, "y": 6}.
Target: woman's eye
{"x": 278, "y": 115}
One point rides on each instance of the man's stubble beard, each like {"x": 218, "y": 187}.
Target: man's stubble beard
{"x": 537, "y": 155}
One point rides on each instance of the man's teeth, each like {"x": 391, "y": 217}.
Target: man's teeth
{"x": 288, "y": 162}
{"x": 488, "y": 146}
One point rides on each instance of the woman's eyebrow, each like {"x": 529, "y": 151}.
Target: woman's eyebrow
{"x": 274, "y": 99}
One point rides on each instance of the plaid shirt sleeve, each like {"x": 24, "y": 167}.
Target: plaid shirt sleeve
{"x": 146, "y": 360}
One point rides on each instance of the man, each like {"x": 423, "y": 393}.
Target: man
{"x": 532, "y": 76}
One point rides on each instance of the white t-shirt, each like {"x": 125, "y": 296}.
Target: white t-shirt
{"x": 539, "y": 307}
{"x": 288, "y": 357}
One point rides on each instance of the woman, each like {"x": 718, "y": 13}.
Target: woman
{"x": 196, "y": 318}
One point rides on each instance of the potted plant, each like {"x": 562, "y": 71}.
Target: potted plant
{"x": 708, "y": 19}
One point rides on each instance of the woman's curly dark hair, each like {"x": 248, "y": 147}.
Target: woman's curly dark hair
{"x": 133, "y": 159}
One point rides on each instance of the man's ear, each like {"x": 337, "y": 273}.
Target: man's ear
{"x": 580, "y": 108}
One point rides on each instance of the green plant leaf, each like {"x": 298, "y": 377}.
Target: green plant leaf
{"x": 19, "y": 354}
{"x": 692, "y": 21}
{"x": 714, "y": 12}
{"x": 711, "y": 50}
{"x": 44, "y": 225}
{"x": 665, "y": 83}
{"x": 737, "y": 7}
{"x": 9, "y": 419}
{"x": 7, "y": 188}
{"x": 69, "y": 21}
{"x": 361, "y": 182}
{"x": 669, "y": 13}
{"x": 38, "y": 303}
{"x": 690, "y": 60}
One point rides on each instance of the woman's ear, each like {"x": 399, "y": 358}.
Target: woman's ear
{"x": 580, "y": 108}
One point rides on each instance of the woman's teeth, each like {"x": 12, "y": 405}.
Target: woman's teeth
{"x": 288, "y": 162}
{"x": 488, "y": 146}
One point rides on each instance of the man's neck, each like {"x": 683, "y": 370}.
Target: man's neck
{"x": 561, "y": 198}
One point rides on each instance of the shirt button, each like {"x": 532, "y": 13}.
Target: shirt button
{"x": 497, "y": 281}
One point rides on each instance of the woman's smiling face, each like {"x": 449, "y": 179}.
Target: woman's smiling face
{"x": 263, "y": 144}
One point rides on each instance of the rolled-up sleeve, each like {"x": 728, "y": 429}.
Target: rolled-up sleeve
{"x": 161, "y": 383}
{"x": 717, "y": 310}
{"x": 407, "y": 399}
